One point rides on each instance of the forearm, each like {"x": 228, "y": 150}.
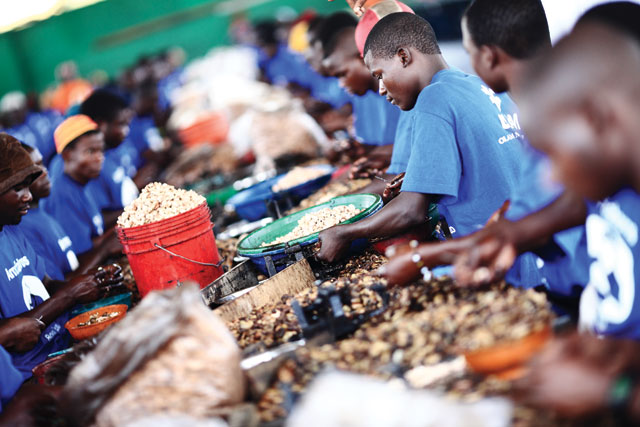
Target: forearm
{"x": 89, "y": 260}
{"x": 376, "y": 186}
{"x": 405, "y": 211}
{"x": 535, "y": 230}
{"x": 382, "y": 152}
{"x": 49, "y": 310}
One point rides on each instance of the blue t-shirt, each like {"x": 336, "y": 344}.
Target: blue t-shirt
{"x": 113, "y": 189}
{"x": 375, "y": 119}
{"x": 466, "y": 148}
{"x": 278, "y": 69}
{"x": 401, "y": 144}
{"x": 28, "y": 135}
{"x": 73, "y": 206}
{"x": 50, "y": 242}
{"x": 609, "y": 304}
{"x": 168, "y": 85}
{"x": 56, "y": 168}
{"x": 10, "y": 378}
{"x": 328, "y": 89}
{"x": 21, "y": 290}
{"x": 144, "y": 135}
{"x": 45, "y": 123}
{"x": 558, "y": 267}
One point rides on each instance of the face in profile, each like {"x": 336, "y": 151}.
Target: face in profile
{"x": 395, "y": 81}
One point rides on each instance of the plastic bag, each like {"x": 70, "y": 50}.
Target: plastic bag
{"x": 169, "y": 356}
{"x": 341, "y": 399}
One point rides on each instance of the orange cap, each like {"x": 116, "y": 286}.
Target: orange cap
{"x": 371, "y": 17}
{"x": 72, "y": 128}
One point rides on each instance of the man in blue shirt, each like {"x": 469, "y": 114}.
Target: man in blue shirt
{"x": 375, "y": 120}
{"x": 582, "y": 111}
{"x": 71, "y": 202}
{"x": 113, "y": 189}
{"x": 465, "y": 139}
{"x": 46, "y": 235}
{"x": 499, "y": 53}
{"x": 28, "y": 298}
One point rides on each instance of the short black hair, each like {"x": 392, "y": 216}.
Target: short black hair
{"x": 266, "y": 33}
{"x": 70, "y": 146}
{"x": 622, "y": 15}
{"x": 330, "y": 27}
{"x": 103, "y": 105}
{"x": 519, "y": 27}
{"x": 401, "y": 29}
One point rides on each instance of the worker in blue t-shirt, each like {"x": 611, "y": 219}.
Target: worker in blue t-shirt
{"x": 45, "y": 234}
{"x": 375, "y": 120}
{"x": 34, "y": 307}
{"x": 113, "y": 189}
{"x": 577, "y": 86}
{"x": 71, "y": 203}
{"x": 465, "y": 141}
{"x": 558, "y": 268}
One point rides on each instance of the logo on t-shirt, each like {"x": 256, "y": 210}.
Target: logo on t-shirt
{"x": 509, "y": 122}
{"x": 18, "y": 266}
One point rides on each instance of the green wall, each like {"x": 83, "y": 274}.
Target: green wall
{"x": 113, "y": 34}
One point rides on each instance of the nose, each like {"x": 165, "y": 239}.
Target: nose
{"x": 25, "y": 195}
{"x": 382, "y": 90}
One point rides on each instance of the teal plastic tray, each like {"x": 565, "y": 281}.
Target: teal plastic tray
{"x": 252, "y": 244}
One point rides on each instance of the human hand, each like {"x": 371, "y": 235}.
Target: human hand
{"x": 20, "y": 334}
{"x": 334, "y": 244}
{"x": 567, "y": 378}
{"x": 85, "y": 288}
{"x": 393, "y": 188}
{"x": 365, "y": 167}
{"x": 108, "y": 275}
{"x": 490, "y": 258}
{"x": 357, "y": 6}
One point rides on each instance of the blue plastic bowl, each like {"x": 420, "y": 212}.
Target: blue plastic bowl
{"x": 304, "y": 190}
{"x": 250, "y": 204}
{"x": 116, "y": 299}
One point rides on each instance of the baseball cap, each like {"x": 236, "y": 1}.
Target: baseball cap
{"x": 373, "y": 15}
{"x": 72, "y": 128}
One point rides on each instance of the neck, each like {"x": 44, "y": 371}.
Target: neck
{"x": 513, "y": 73}
{"x": 430, "y": 65}
{"x": 74, "y": 176}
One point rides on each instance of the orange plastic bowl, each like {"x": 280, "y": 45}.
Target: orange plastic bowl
{"x": 83, "y": 332}
{"x": 508, "y": 360}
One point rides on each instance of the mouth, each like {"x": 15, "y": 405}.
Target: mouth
{"x": 391, "y": 100}
{"x": 24, "y": 209}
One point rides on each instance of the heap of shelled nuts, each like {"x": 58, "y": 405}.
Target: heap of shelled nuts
{"x": 297, "y": 176}
{"x": 317, "y": 221}
{"x": 331, "y": 190}
{"x": 157, "y": 202}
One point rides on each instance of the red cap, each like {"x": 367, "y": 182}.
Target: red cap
{"x": 373, "y": 15}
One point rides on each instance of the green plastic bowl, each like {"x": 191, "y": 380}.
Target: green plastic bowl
{"x": 220, "y": 197}
{"x": 251, "y": 245}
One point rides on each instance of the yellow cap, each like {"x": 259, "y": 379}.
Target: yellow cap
{"x": 72, "y": 128}
{"x": 298, "y": 37}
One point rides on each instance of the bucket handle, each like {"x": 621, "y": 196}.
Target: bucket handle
{"x": 190, "y": 260}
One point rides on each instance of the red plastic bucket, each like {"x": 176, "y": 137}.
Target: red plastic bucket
{"x": 166, "y": 253}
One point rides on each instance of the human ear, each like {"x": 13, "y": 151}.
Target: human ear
{"x": 404, "y": 55}
{"x": 489, "y": 57}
